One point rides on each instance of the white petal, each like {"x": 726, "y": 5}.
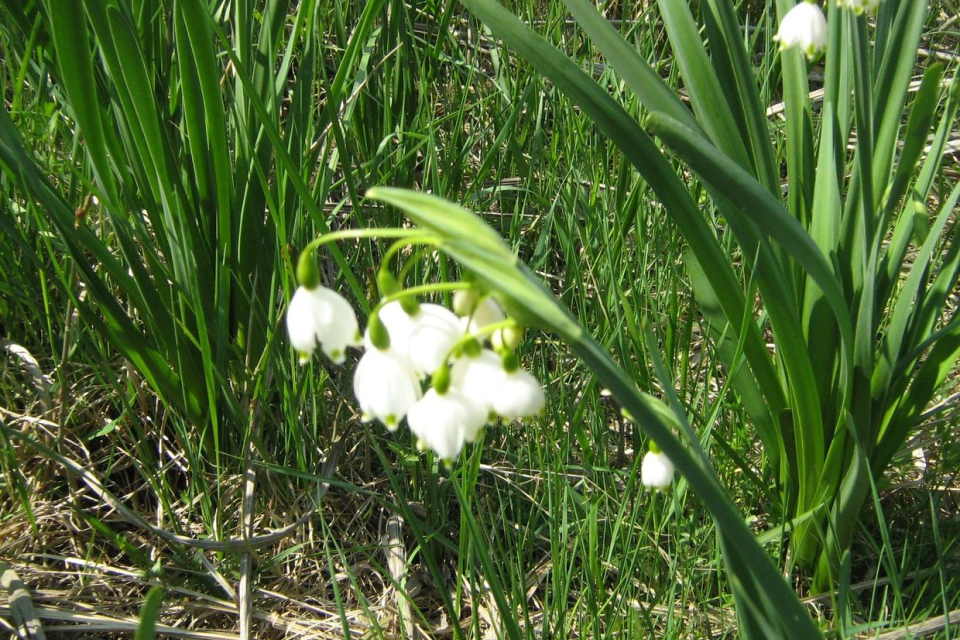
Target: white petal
{"x": 804, "y": 27}
{"x": 444, "y": 422}
{"x": 435, "y": 331}
{"x": 487, "y": 312}
{"x": 656, "y": 470}
{"x": 385, "y": 387}
{"x": 518, "y": 396}
{"x": 337, "y": 326}
{"x": 321, "y": 316}
{"x": 478, "y": 377}
{"x": 300, "y": 322}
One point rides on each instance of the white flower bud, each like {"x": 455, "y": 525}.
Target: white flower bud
{"x": 321, "y": 316}
{"x": 656, "y": 470}
{"x": 385, "y": 386}
{"x": 804, "y": 27}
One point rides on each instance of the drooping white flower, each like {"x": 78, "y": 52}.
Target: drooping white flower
{"x": 424, "y": 339}
{"x": 435, "y": 331}
{"x": 656, "y": 470}
{"x": 444, "y": 421}
{"x": 518, "y": 395}
{"x": 859, "y": 6}
{"x": 399, "y": 326}
{"x": 385, "y": 386}
{"x": 478, "y": 376}
{"x": 804, "y": 27}
{"x": 323, "y": 316}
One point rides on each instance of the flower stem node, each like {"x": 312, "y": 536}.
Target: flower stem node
{"x": 860, "y": 6}
{"x": 656, "y": 470}
{"x": 321, "y": 316}
{"x": 805, "y": 28}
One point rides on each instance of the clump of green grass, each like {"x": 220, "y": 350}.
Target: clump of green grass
{"x": 266, "y": 139}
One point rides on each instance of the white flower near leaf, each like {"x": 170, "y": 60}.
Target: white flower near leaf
{"x": 656, "y": 470}
{"x": 478, "y": 312}
{"x": 478, "y": 376}
{"x": 803, "y": 27}
{"x": 424, "y": 338}
{"x": 385, "y": 386}
{"x": 321, "y": 316}
{"x": 445, "y": 421}
{"x": 435, "y": 331}
{"x": 519, "y": 395}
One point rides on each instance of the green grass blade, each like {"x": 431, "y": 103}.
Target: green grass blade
{"x": 710, "y": 101}
{"x": 646, "y": 157}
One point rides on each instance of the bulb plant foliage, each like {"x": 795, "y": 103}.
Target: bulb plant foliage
{"x": 864, "y": 336}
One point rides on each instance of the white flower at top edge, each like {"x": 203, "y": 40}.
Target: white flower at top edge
{"x": 321, "y": 316}
{"x": 478, "y": 376}
{"x": 443, "y": 422}
{"x": 859, "y": 6}
{"x": 385, "y": 386}
{"x": 804, "y": 27}
{"x": 518, "y": 395}
{"x": 656, "y": 470}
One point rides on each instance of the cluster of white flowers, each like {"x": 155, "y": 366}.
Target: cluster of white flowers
{"x": 406, "y": 343}
{"x": 805, "y": 26}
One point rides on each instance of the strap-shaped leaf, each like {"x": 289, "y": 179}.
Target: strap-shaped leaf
{"x": 641, "y": 151}
{"x": 524, "y": 295}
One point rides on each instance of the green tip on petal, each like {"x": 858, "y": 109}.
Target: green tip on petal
{"x": 308, "y": 275}
{"x": 510, "y": 361}
{"x": 379, "y": 335}
{"x": 391, "y": 422}
{"x": 441, "y": 379}
{"x": 303, "y": 358}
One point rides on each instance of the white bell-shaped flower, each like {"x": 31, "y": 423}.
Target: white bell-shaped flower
{"x": 444, "y": 421}
{"x": 424, "y": 338}
{"x": 323, "y": 316}
{"x": 804, "y": 27}
{"x": 385, "y": 386}
{"x": 519, "y": 395}
{"x": 398, "y": 324}
{"x": 478, "y": 376}
{"x": 435, "y": 331}
{"x": 656, "y": 470}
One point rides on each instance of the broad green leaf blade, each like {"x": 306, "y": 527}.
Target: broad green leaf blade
{"x": 646, "y": 157}
{"x": 707, "y": 96}
{"x": 475, "y": 246}
{"x": 763, "y": 208}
